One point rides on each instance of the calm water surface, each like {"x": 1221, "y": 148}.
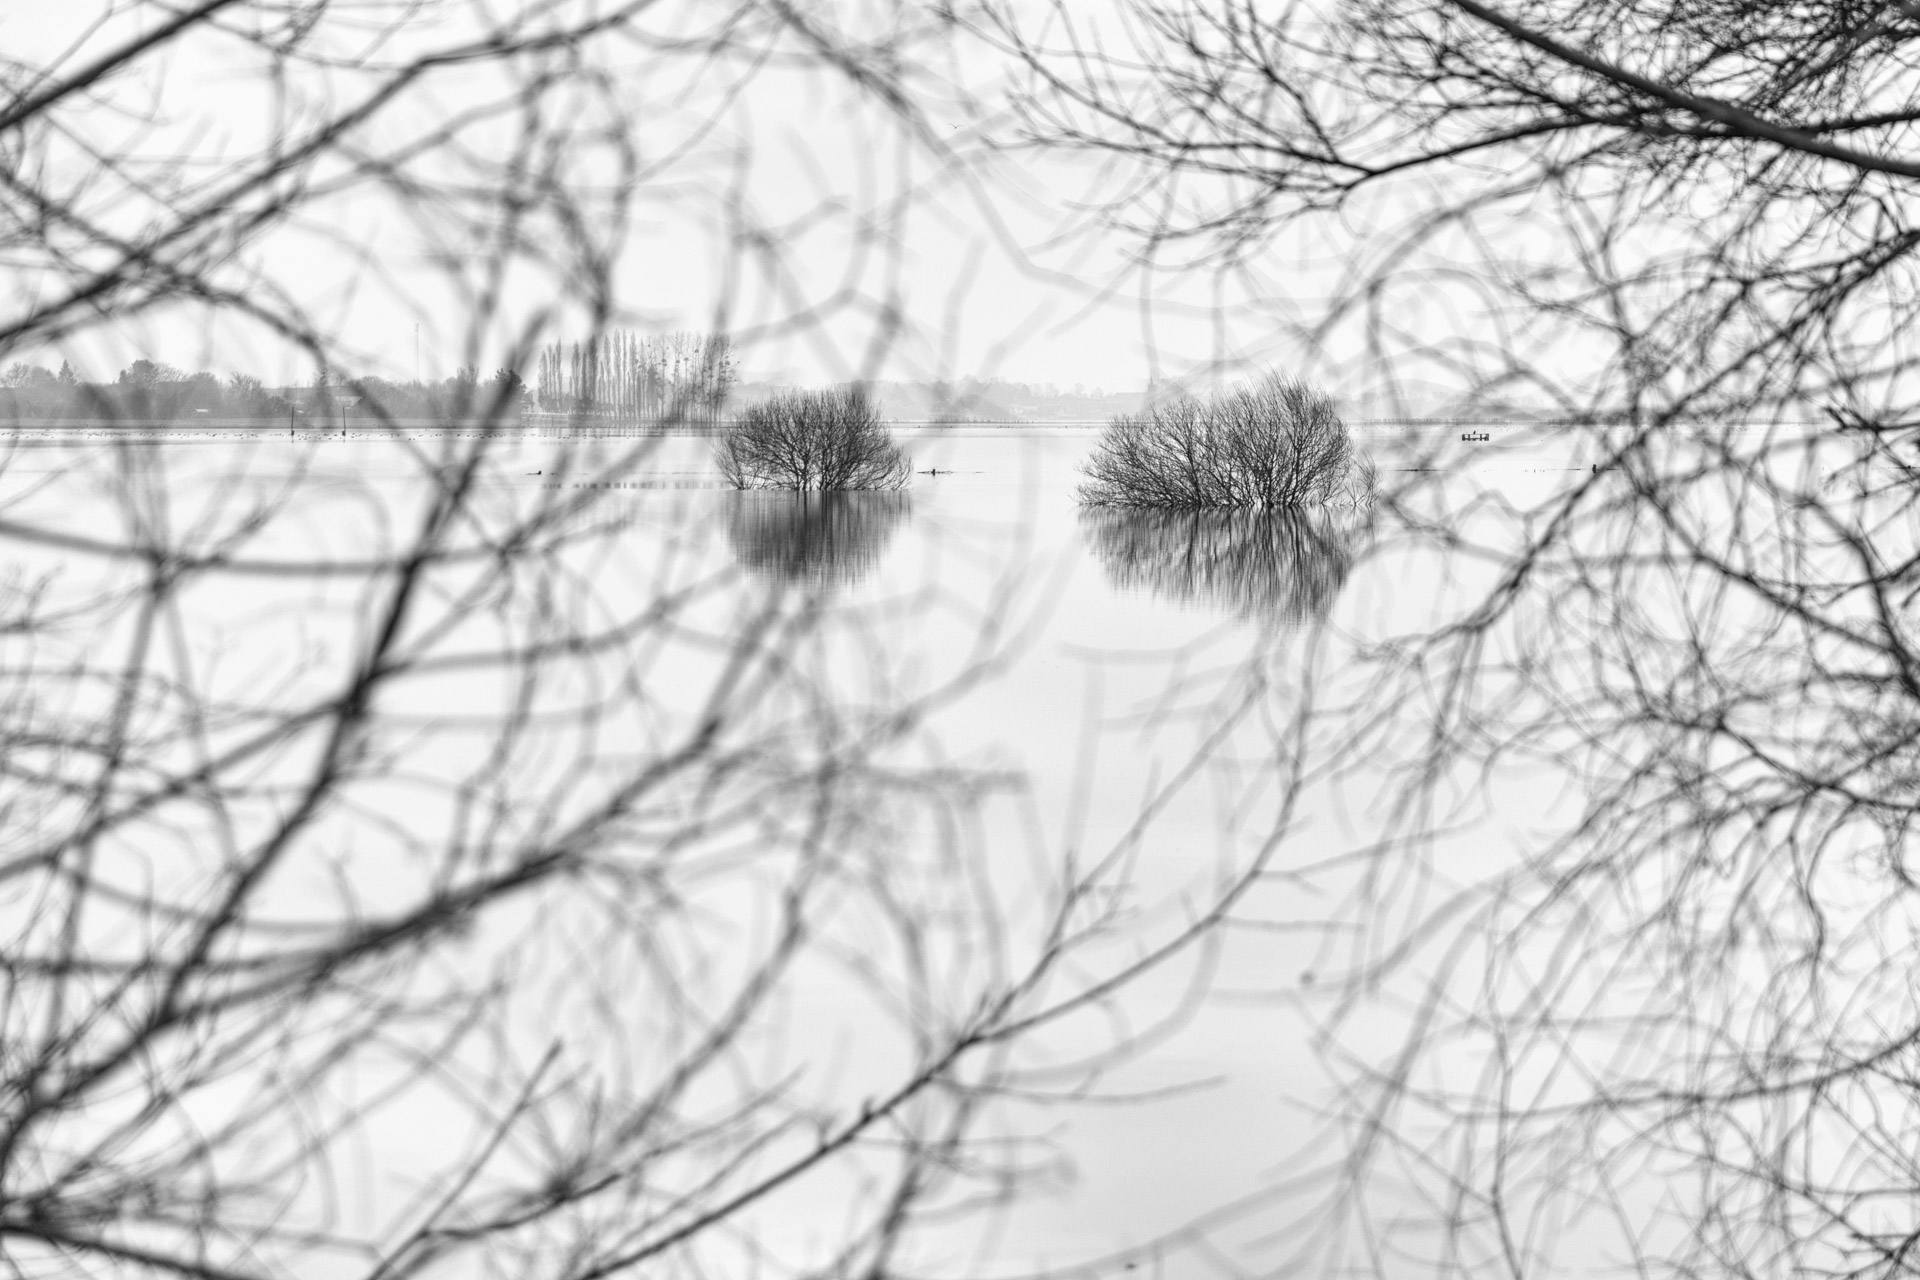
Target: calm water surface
{"x": 1121, "y": 687}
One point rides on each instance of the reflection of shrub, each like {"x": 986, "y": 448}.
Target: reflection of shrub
{"x": 812, "y": 440}
{"x": 1276, "y": 444}
{"x": 817, "y": 538}
{"x": 1280, "y": 565}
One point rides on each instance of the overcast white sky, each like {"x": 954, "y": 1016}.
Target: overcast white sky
{"x": 892, "y": 260}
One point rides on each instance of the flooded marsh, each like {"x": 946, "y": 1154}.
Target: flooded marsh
{"x": 961, "y": 809}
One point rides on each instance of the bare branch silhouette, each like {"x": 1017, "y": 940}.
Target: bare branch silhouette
{"x": 408, "y": 869}
{"x": 1621, "y": 978}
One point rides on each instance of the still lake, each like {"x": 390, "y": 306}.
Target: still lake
{"x": 1153, "y": 701}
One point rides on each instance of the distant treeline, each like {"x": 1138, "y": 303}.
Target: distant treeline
{"x": 147, "y": 391}
{"x": 638, "y": 378}
{"x": 648, "y": 379}
{"x": 624, "y": 377}
{"x": 144, "y": 390}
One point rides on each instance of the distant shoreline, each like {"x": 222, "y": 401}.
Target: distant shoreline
{"x": 560, "y": 428}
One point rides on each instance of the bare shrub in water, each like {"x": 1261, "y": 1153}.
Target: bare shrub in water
{"x": 1278, "y": 443}
{"x": 812, "y": 441}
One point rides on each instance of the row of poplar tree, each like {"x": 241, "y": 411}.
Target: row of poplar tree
{"x": 646, "y": 378}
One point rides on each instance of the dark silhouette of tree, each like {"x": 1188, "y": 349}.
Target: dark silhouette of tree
{"x": 1276, "y": 444}
{"x": 812, "y": 441}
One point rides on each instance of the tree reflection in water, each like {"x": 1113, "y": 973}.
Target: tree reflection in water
{"x": 1277, "y": 565}
{"x": 819, "y": 539}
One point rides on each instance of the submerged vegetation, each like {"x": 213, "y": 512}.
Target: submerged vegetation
{"x": 812, "y": 441}
{"x": 1278, "y": 443}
